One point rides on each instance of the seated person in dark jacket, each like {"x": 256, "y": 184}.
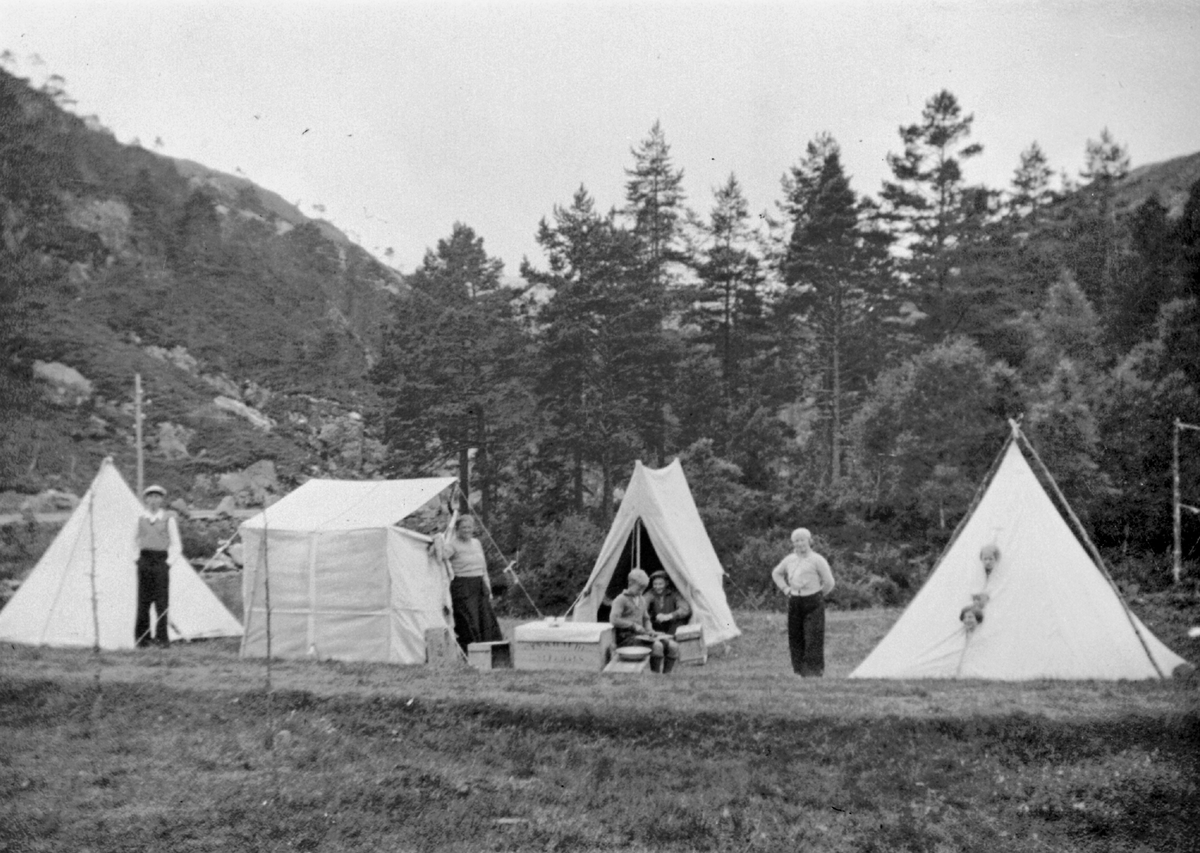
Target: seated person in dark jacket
{"x": 631, "y": 620}
{"x": 668, "y": 611}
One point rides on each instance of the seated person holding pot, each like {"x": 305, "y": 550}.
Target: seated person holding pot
{"x": 631, "y": 619}
{"x": 668, "y": 611}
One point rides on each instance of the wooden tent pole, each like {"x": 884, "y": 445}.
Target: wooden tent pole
{"x": 1177, "y": 549}
{"x": 1177, "y": 502}
{"x": 137, "y": 428}
{"x": 1092, "y": 549}
{"x": 95, "y": 596}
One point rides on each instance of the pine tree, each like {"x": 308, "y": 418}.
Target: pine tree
{"x": 654, "y": 196}
{"x": 838, "y": 274}
{"x": 1094, "y": 235}
{"x": 451, "y": 370}
{"x": 728, "y": 301}
{"x": 1031, "y": 188}
{"x": 1186, "y": 234}
{"x": 929, "y": 206}
{"x": 602, "y": 352}
{"x": 1148, "y": 278}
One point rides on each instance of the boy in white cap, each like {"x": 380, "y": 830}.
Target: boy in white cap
{"x": 631, "y": 618}
{"x": 158, "y": 542}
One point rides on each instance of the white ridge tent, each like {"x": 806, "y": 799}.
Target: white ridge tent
{"x": 345, "y": 581}
{"x": 658, "y": 526}
{"x": 54, "y": 605}
{"x": 1053, "y": 611}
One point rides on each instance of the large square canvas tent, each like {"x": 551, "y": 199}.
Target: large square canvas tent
{"x": 1052, "y": 610}
{"x": 86, "y": 581}
{"x": 657, "y": 526}
{"x": 344, "y": 579}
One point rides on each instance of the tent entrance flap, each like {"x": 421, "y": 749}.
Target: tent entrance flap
{"x": 639, "y": 552}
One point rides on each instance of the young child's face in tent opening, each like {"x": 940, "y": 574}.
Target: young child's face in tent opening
{"x": 989, "y": 560}
{"x": 660, "y": 585}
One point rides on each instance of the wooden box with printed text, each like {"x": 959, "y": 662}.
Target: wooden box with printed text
{"x": 556, "y": 644}
{"x": 691, "y": 644}
{"x": 485, "y": 656}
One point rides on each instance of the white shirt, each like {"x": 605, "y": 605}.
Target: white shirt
{"x": 806, "y": 575}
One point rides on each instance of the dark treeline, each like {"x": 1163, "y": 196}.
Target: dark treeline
{"x": 845, "y": 362}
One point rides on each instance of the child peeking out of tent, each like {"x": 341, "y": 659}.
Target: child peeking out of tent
{"x": 989, "y": 555}
{"x": 971, "y": 616}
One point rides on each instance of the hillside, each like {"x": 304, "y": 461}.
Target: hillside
{"x": 1170, "y": 182}
{"x": 254, "y": 328}
{"x": 251, "y": 325}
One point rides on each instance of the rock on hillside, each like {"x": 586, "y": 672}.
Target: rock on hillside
{"x": 252, "y": 327}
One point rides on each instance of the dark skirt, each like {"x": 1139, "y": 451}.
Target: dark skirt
{"x": 474, "y": 619}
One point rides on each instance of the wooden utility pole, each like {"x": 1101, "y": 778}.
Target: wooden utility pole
{"x": 1176, "y": 503}
{"x": 137, "y": 428}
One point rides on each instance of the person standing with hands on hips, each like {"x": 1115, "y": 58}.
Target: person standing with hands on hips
{"x": 804, "y": 577}
{"x": 158, "y": 543}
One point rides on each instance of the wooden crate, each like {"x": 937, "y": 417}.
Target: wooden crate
{"x": 441, "y": 649}
{"x": 485, "y": 656}
{"x": 556, "y": 644}
{"x": 691, "y": 644}
{"x": 635, "y": 666}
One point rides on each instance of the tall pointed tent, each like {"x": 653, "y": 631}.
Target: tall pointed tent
{"x": 658, "y": 526}
{"x": 93, "y": 558}
{"x": 344, "y": 579}
{"x": 1052, "y": 612}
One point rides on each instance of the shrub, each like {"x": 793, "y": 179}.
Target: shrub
{"x": 1141, "y": 573}
{"x": 749, "y": 583}
{"x": 555, "y": 560}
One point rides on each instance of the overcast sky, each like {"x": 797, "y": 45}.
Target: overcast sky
{"x": 401, "y": 118}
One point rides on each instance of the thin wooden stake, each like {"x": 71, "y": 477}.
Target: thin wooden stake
{"x": 137, "y": 428}
{"x": 95, "y": 601}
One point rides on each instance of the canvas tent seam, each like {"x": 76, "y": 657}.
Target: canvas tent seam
{"x": 62, "y": 577}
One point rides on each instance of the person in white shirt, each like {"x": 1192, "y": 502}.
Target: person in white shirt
{"x": 158, "y": 543}
{"x": 805, "y": 578}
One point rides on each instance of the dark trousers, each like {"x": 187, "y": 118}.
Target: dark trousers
{"x": 474, "y": 619}
{"x": 153, "y": 588}
{"x": 806, "y": 634}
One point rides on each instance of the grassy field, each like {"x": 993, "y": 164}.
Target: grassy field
{"x": 185, "y": 750}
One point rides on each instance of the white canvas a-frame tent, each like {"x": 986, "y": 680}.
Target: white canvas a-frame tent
{"x": 1053, "y": 611}
{"x": 331, "y": 574}
{"x": 658, "y": 526}
{"x": 83, "y": 590}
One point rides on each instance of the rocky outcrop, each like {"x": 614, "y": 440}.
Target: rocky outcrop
{"x": 178, "y": 356}
{"x": 252, "y": 486}
{"x": 240, "y": 409}
{"x": 65, "y": 386}
{"x": 51, "y": 500}
{"x": 108, "y": 219}
{"x": 173, "y": 440}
